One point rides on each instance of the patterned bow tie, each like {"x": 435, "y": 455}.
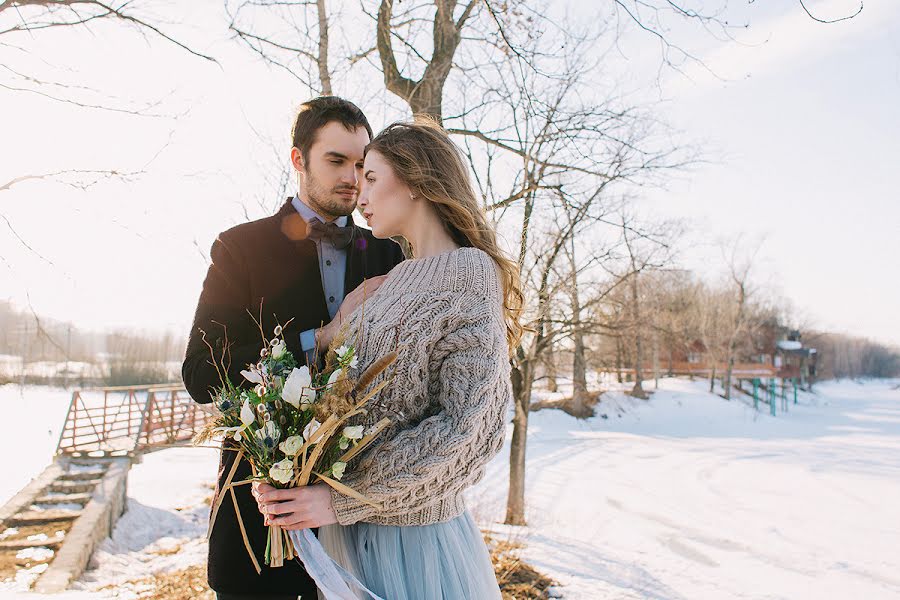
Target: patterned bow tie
{"x": 339, "y": 236}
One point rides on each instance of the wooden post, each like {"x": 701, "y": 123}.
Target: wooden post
{"x": 795, "y": 389}
{"x": 756, "y": 393}
{"x": 772, "y": 395}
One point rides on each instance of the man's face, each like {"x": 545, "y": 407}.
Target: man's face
{"x": 329, "y": 179}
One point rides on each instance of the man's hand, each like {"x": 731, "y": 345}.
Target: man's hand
{"x": 352, "y": 301}
{"x": 295, "y": 508}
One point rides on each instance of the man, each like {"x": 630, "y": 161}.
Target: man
{"x": 293, "y": 269}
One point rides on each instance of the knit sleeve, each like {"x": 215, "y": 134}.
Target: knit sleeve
{"x": 447, "y": 451}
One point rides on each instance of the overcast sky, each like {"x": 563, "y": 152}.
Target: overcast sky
{"x": 801, "y": 127}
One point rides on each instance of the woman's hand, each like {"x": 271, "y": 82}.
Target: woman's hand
{"x": 325, "y": 335}
{"x": 295, "y": 508}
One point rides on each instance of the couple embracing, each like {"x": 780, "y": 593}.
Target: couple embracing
{"x": 450, "y": 309}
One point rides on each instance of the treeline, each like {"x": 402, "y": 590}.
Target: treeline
{"x": 38, "y": 350}
{"x": 658, "y": 320}
{"x": 850, "y": 356}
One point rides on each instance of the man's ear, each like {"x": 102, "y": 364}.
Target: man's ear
{"x": 297, "y": 159}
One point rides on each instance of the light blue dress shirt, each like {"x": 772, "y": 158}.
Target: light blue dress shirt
{"x": 332, "y": 268}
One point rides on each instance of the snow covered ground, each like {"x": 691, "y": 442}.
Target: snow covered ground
{"x": 685, "y": 496}
{"x": 688, "y": 496}
{"x": 37, "y": 415}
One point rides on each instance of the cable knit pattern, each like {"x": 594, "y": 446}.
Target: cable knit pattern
{"x": 451, "y": 387}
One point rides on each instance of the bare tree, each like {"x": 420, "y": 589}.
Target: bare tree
{"x": 291, "y": 35}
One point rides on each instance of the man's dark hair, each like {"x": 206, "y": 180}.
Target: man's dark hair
{"x": 317, "y": 113}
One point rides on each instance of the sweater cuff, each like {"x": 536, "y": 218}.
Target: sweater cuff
{"x": 349, "y": 510}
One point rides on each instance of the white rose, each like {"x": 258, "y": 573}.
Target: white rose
{"x": 292, "y": 445}
{"x": 296, "y": 389}
{"x": 337, "y": 469}
{"x": 354, "y": 433}
{"x": 282, "y": 471}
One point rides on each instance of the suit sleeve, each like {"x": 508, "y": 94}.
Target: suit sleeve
{"x": 221, "y": 319}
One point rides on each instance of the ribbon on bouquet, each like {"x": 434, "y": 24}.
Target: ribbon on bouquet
{"x": 335, "y": 582}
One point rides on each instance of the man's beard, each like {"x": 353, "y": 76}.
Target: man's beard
{"x": 328, "y": 202}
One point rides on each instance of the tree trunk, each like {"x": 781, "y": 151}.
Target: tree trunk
{"x": 727, "y": 382}
{"x": 322, "y": 58}
{"x": 581, "y": 399}
{"x": 619, "y": 359}
{"x": 638, "y": 390}
{"x": 550, "y": 366}
{"x": 515, "y": 500}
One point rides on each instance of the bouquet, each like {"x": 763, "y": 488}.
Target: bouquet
{"x": 295, "y": 426}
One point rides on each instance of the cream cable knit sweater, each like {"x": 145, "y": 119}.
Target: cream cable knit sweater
{"x": 450, "y": 391}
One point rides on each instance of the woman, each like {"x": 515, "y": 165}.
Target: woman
{"x": 452, "y": 312}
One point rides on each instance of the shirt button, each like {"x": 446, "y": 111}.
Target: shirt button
{"x": 331, "y": 298}
{"x": 328, "y": 263}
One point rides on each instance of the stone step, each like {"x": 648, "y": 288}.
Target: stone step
{"x": 74, "y": 487}
{"x": 74, "y": 498}
{"x": 38, "y": 517}
{"x": 83, "y": 475}
{"x": 50, "y": 542}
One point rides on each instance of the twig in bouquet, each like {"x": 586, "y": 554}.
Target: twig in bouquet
{"x": 221, "y": 497}
{"x": 226, "y": 349}
{"x": 262, "y": 333}
{"x": 346, "y": 490}
{"x": 240, "y": 520}
{"x": 212, "y": 353}
{"x": 323, "y": 432}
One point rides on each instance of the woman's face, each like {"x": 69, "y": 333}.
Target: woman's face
{"x": 384, "y": 200}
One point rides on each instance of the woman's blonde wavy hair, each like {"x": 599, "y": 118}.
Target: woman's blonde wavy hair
{"x": 424, "y": 157}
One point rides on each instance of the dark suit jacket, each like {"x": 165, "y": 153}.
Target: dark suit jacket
{"x": 267, "y": 263}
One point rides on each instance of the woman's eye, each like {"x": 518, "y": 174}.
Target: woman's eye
{"x": 370, "y": 179}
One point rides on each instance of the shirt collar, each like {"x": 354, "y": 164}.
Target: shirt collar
{"x": 309, "y": 214}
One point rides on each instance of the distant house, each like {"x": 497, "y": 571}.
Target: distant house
{"x": 794, "y": 360}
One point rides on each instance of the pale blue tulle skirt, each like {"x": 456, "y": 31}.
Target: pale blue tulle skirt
{"x": 444, "y": 561}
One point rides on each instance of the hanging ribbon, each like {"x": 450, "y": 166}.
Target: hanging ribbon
{"x": 333, "y": 581}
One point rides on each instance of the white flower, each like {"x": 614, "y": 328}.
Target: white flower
{"x": 279, "y": 349}
{"x": 247, "y": 418}
{"x": 297, "y": 391}
{"x": 247, "y": 414}
{"x": 337, "y": 469}
{"x": 282, "y": 471}
{"x": 252, "y": 375}
{"x": 310, "y": 429}
{"x": 292, "y": 445}
{"x": 342, "y": 353}
{"x": 343, "y": 443}
{"x": 354, "y": 432}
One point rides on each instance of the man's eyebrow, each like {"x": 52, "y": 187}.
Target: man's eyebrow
{"x": 334, "y": 154}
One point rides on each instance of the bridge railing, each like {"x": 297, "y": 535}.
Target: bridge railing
{"x": 125, "y": 420}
